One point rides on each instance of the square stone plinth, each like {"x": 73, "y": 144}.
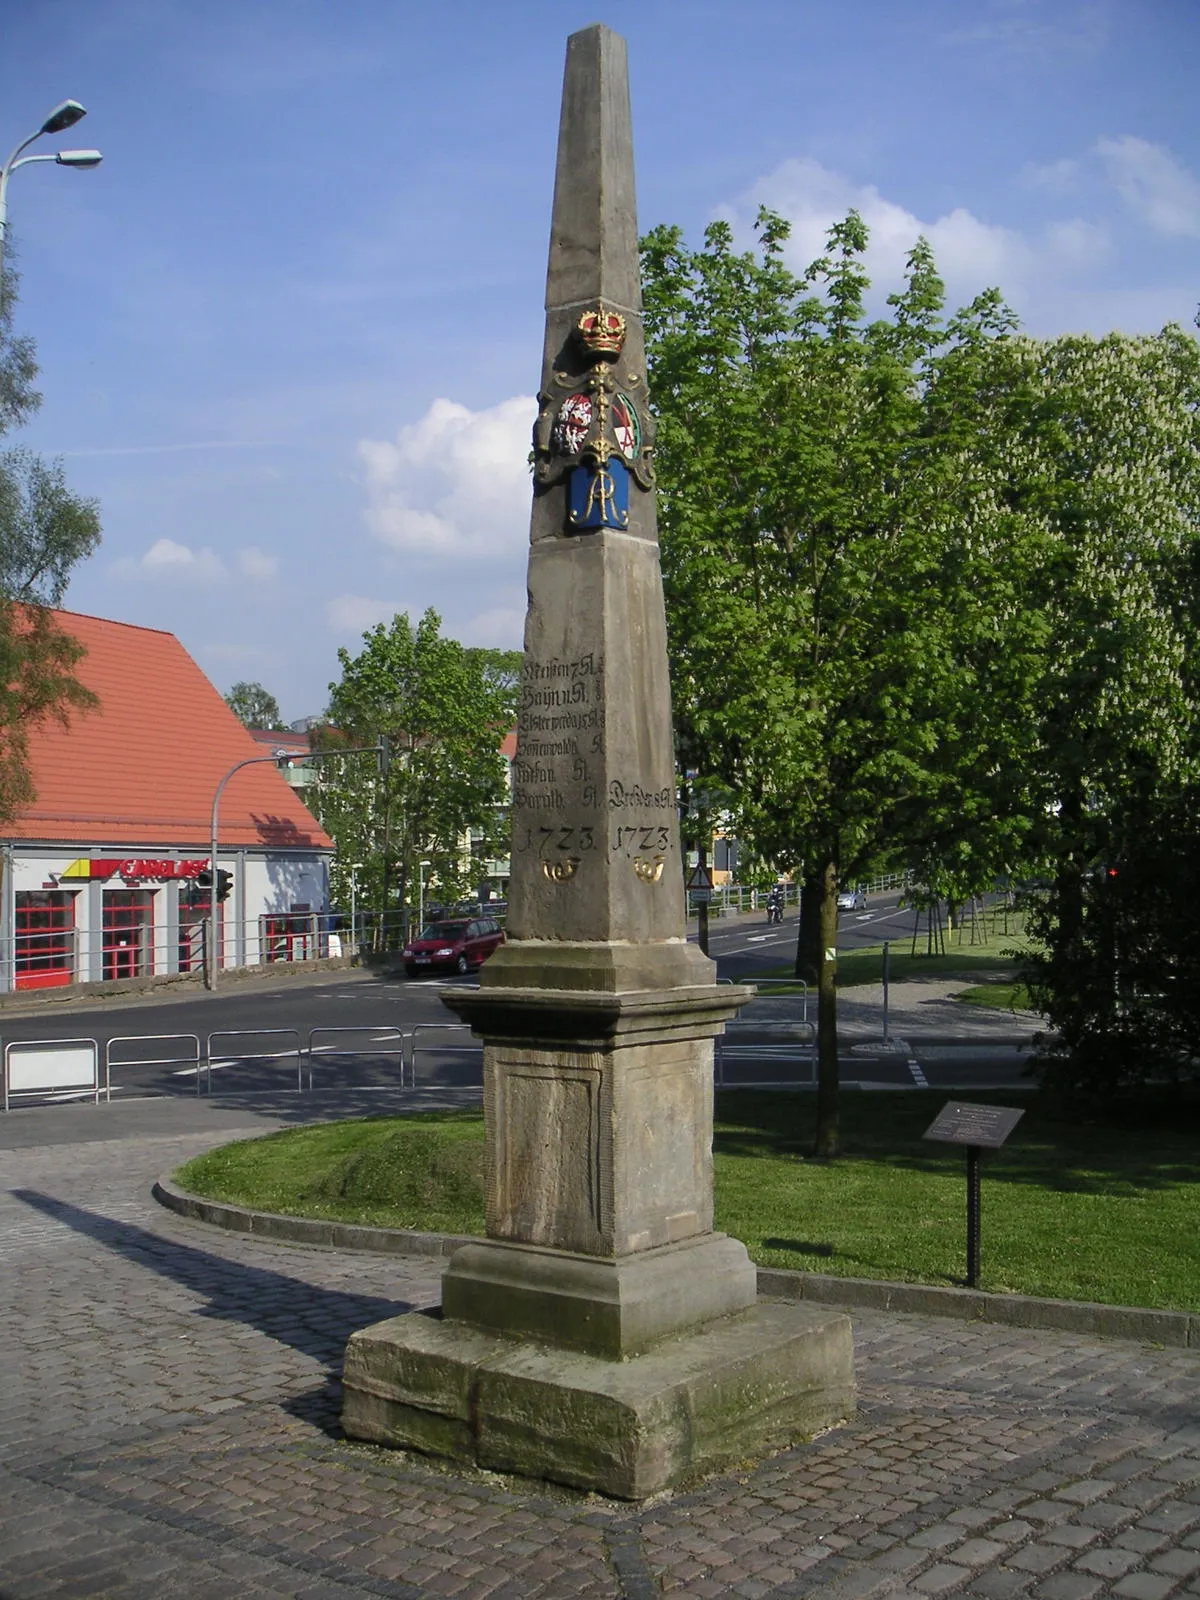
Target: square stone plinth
{"x": 612, "y": 1308}
{"x": 739, "y": 1387}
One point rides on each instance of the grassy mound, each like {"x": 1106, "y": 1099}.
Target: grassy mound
{"x": 422, "y": 1172}
{"x": 1072, "y": 1209}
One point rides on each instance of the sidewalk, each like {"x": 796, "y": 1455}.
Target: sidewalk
{"x": 168, "y": 1428}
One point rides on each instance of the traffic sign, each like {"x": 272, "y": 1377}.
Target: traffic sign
{"x": 700, "y": 879}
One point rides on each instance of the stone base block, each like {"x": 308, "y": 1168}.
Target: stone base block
{"x": 759, "y": 1380}
{"x": 608, "y": 1307}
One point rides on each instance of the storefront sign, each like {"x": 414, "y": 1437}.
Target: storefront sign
{"x": 134, "y": 868}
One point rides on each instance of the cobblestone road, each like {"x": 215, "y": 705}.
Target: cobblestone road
{"x": 168, "y": 1428}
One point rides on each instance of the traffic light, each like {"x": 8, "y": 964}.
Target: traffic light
{"x": 204, "y": 882}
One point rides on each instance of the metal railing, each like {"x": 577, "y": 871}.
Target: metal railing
{"x": 784, "y": 988}
{"x": 467, "y": 1046}
{"x": 185, "y": 1064}
{"x": 296, "y": 1051}
{"x": 786, "y": 1042}
{"x": 732, "y": 898}
{"x": 46, "y": 958}
{"x": 374, "y": 1047}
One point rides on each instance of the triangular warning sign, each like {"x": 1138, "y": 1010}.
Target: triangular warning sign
{"x": 699, "y": 877}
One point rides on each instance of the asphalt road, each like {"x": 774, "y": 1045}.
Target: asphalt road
{"x": 258, "y": 1031}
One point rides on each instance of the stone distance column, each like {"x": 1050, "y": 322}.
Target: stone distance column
{"x": 603, "y": 1334}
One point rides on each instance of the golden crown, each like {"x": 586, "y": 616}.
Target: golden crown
{"x": 602, "y": 332}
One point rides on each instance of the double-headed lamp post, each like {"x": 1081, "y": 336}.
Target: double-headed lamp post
{"x": 62, "y": 117}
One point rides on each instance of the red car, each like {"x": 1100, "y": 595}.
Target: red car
{"x": 458, "y": 945}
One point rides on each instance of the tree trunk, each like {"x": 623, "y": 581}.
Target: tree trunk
{"x": 828, "y": 1137}
{"x": 808, "y": 934}
{"x": 1069, "y": 876}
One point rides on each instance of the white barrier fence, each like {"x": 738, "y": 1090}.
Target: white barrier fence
{"x": 50, "y": 1066}
{"x": 78, "y": 1068}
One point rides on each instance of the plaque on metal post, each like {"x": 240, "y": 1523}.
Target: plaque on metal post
{"x": 986, "y": 1127}
{"x": 978, "y": 1128}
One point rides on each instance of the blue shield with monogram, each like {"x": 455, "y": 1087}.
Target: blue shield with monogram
{"x": 598, "y": 496}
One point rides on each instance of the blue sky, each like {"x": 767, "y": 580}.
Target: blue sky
{"x": 290, "y": 329}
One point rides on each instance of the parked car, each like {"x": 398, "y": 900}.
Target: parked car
{"x": 851, "y": 900}
{"x": 456, "y": 946}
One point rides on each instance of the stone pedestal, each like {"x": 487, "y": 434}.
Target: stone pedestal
{"x": 733, "y": 1389}
{"x": 602, "y": 1335}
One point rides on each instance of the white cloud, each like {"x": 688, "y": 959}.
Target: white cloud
{"x": 256, "y": 564}
{"x": 970, "y": 254}
{"x": 1029, "y": 33}
{"x": 499, "y": 628}
{"x": 170, "y": 562}
{"x": 355, "y": 613}
{"x": 454, "y": 483}
{"x": 813, "y": 197}
{"x": 173, "y": 449}
{"x": 1155, "y": 187}
{"x": 1055, "y": 176}
{"x": 1078, "y": 243}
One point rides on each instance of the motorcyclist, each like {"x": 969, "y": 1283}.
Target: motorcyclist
{"x": 775, "y": 904}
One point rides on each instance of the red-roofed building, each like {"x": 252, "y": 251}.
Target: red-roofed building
{"x": 102, "y": 866}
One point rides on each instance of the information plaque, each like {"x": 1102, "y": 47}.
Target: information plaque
{"x": 987, "y": 1127}
{"x": 979, "y": 1128}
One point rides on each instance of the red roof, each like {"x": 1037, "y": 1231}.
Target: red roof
{"x": 142, "y": 767}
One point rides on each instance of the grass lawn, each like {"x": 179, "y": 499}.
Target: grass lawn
{"x": 997, "y": 996}
{"x": 1071, "y": 1210}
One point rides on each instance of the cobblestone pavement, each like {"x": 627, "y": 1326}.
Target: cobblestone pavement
{"x": 168, "y": 1427}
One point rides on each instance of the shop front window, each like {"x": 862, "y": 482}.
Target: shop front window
{"x": 289, "y": 936}
{"x": 45, "y": 938}
{"x": 128, "y": 933}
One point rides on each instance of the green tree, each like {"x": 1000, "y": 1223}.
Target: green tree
{"x": 255, "y": 706}
{"x": 44, "y": 531}
{"x": 443, "y": 711}
{"x": 1112, "y": 458}
{"x": 843, "y": 578}
{"x": 501, "y": 669}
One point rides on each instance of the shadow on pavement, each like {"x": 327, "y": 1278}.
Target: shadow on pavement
{"x": 315, "y": 1321}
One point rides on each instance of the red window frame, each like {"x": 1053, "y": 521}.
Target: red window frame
{"x": 44, "y": 938}
{"x": 128, "y": 938}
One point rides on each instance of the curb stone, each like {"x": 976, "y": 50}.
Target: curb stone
{"x": 1176, "y": 1329}
{"x": 305, "y": 1230}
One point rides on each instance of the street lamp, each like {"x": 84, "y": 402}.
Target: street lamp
{"x": 62, "y": 117}
{"x": 355, "y": 866}
{"x": 278, "y": 758}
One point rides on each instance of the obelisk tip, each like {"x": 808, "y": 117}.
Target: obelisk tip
{"x": 593, "y": 238}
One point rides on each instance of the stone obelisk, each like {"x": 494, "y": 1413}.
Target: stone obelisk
{"x": 602, "y": 1334}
